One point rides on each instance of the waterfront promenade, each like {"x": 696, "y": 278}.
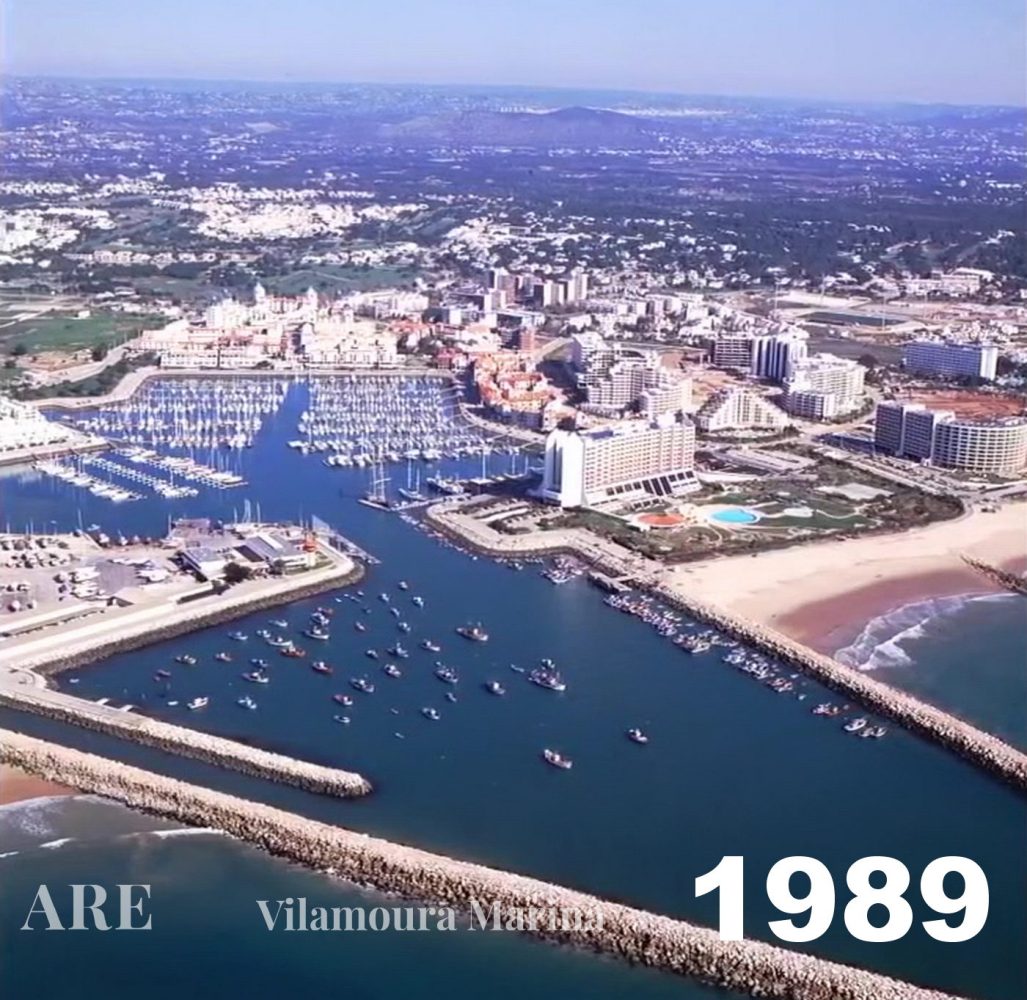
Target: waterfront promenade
{"x": 975, "y": 745}
{"x": 634, "y": 935}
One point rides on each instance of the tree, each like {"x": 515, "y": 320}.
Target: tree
{"x": 868, "y": 361}
{"x": 238, "y": 573}
{"x": 99, "y": 352}
{"x": 19, "y": 350}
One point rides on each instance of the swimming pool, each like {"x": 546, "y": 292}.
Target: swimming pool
{"x": 735, "y": 515}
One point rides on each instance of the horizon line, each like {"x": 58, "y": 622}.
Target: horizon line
{"x": 567, "y": 88}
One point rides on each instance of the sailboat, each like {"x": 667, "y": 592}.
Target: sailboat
{"x": 413, "y": 486}
{"x": 376, "y": 495}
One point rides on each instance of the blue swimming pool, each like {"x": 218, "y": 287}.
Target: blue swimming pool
{"x": 735, "y": 515}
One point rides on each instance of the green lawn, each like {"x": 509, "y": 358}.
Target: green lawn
{"x": 66, "y": 333}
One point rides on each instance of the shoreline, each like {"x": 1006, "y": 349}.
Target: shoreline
{"x": 17, "y": 785}
{"x": 824, "y": 594}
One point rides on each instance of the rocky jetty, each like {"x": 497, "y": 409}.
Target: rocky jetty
{"x": 186, "y": 742}
{"x": 634, "y": 935}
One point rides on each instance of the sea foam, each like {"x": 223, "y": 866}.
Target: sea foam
{"x": 880, "y": 644}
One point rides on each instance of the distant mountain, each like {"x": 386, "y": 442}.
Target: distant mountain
{"x": 573, "y": 127}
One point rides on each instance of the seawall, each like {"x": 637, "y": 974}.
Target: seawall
{"x": 185, "y": 742}
{"x": 980, "y": 748}
{"x": 627, "y": 933}
{"x": 128, "y": 629}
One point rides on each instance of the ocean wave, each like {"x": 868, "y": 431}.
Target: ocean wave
{"x": 52, "y": 845}
{"x": 880, "y": 644}
{"x": 187, "y": 831}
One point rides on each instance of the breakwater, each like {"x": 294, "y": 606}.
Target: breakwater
{"x": 980, "y": 748}
{"x": 633, "y": 935}
{"x": 185, "y": 742}
{"x": 1000, "y": 577}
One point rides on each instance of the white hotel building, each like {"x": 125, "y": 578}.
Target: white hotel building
{"x": 950, "y": 359}
{"x": 735, "y": 408}
{"x": 632, "y": 459}
{"x": 910, "y": 430}
{"x": 824, "y": 386}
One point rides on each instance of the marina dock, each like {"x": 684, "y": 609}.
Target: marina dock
{"x": 637, "y": 936}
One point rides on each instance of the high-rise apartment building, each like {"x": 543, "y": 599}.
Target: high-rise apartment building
{"x": 911, "y": 430}
{"x": 621, "y": 461}
{"x": 949, "y": 359}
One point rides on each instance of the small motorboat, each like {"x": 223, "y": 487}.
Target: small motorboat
{"x": 238, "y": 636}
{"x": 362, "y": 684}
{"x": 637, "y": 736}
{"x": 320, "y": 667}
{"x": 342, "y": 699}
{"x": 197, "y": 703}
{"x": 555, "y": 759}
{"x": 186, "y": 659}
{"x": 494, "y": 687}
{"x": 391, "y": 670}
{"x": 343, "y": 719}
{"x": 431, "y": 713}
{"x": 223, "y": 657}
{"x": 246, "y": 702}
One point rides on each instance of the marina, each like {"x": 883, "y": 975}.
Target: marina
{"x": 480, "y": 761}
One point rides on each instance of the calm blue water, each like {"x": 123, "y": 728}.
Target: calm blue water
{"x": 735, "y": 515}
{"x": 732, "y": 768}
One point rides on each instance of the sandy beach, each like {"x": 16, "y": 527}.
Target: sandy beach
{"x": 18, "y": 786}
{"x": 824, "y": 594}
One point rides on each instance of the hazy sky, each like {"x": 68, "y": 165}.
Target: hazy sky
{"x": 961, "y": 51}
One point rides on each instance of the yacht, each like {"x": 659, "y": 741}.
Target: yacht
{"x": 431, "y": 713}
{"x": 546, "y": 677}
{"x": 246, "y": 702}
{"x": 473, "y": 632}
{"x": 557, "y": 760}
{"x": 342, "y": 699}
{"x": 320, "y": 667}
{"x": 391, "y": 670}
{"x": 361, "y": 684}
{"x": 494, "y": 687}
{"x": 417, "y": 601}
{"x": 432, "y": 647}
{"x": 186, "y": 659}
{"x": 447, "y": 675}
{"x": 197, "y": 703}
{"x": 223, "y": 657}
{"x": 637, "y": 736}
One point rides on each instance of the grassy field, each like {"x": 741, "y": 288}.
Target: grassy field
{"x": 65, "y": 333}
